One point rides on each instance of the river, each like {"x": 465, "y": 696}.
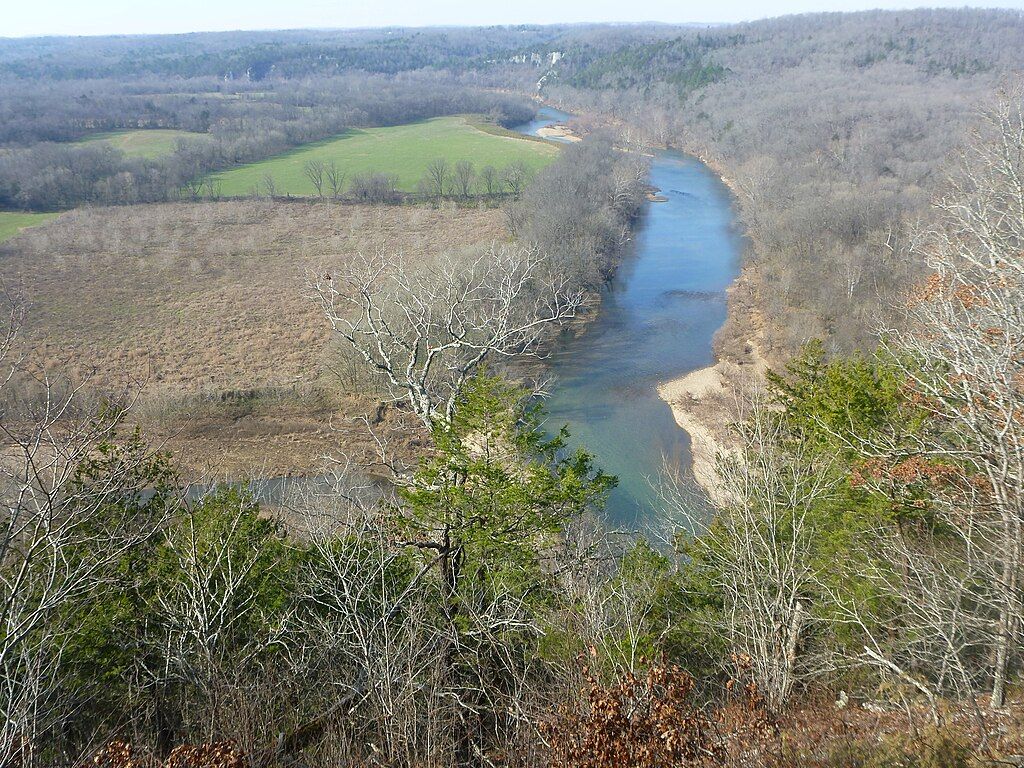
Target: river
{"x": 656, "y": 323}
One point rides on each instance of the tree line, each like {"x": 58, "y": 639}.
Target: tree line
{"x": 832, "y": 130}
{"x": 582, "y": 208}
{"x": 51, "y": 175}
{"x": 460, "y": 181}
{"x": 259, "y": 57}
{"x": 870, "y": 545}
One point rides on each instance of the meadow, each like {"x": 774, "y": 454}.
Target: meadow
{"x": 149, "y": 144}
{"x": 206, "y": 295}
{"x": 207, "y": 304}
{"x": 404, "y": 151}
{"x": 12, "y": 222}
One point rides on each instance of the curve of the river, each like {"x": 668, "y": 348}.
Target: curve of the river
{"x": 656, "y": 323}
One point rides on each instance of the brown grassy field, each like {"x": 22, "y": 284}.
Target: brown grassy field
{"x": 207, "y": 304}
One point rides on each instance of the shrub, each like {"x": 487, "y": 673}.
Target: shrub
{"x": 643, "y": 722}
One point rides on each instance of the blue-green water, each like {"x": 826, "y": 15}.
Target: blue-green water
{"x": 656, "y": 323}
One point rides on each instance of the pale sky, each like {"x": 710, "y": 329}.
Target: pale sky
{"x": 21, "y": 18}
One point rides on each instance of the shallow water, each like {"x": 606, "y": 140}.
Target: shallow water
{"x": 656, "y": 323}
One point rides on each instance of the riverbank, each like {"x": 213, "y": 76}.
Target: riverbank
{"x": 559, "y": 132}
{"x": 659, "y": 317}
{"x": 705, "y": 403}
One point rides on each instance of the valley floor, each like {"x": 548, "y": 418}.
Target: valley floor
{"x": 205, "y": 308}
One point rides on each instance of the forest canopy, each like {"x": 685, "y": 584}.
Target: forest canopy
{"x": 444, "y": 589}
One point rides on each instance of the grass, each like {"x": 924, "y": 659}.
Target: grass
{"x": 208, "y": 304}
{"x": 12, "y": 223}
{"x": 404, "y": 151}
{"x": 199, "y": 296}
{"x": 149, "y": 144}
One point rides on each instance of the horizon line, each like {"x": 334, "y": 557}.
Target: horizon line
{"x": 610, "y": 23}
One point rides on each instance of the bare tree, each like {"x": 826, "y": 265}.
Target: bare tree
{"x": 426, "y": 330}
{"x": 194, "y": 188}
{"x": 490, "y": 179}
{"x": 627, "y": 178}
{"x": 315, "y": 170}
{"x": 514, "y": 177}
{"x": 69, "y": 515}
{"x": 269, "y": 185}
{"x": 964, "y": 324}
{"x": 372, "y": 187}
{"x": 335, "y": 179}
{"x": 464, "y": 177}
{"x": 370, "y": 640}
{"x": 756, "y": 552}
{"x": 936, "y": 636}
{"x": 219, "y": 563}
{"x": 213, "y": 189}
{"x": 438, "y": 178}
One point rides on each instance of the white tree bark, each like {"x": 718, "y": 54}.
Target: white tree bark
{"x": 757, "y": 550}
{"x": 966, "y": 326}
{"x": 426, "y": 329}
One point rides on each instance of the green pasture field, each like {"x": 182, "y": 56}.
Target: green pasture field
{"x": 149, "y": 143}
{"x": 11, "y": 223}
{"x": 404, "y": 151}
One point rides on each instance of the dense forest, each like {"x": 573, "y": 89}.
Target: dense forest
{"x": 833, "y": 130}
{"x": 42, "y": 171}
{"x": 266, "y": 56}
{"x": 445, "y": 590}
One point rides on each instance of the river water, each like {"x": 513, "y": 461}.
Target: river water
{"x": 656, "y": 323}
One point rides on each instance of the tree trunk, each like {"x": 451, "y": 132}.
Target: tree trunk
{"x": 1007, "y": 612}
{"x": 1002, "y": 661}
{"x": 786, "y": 683}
